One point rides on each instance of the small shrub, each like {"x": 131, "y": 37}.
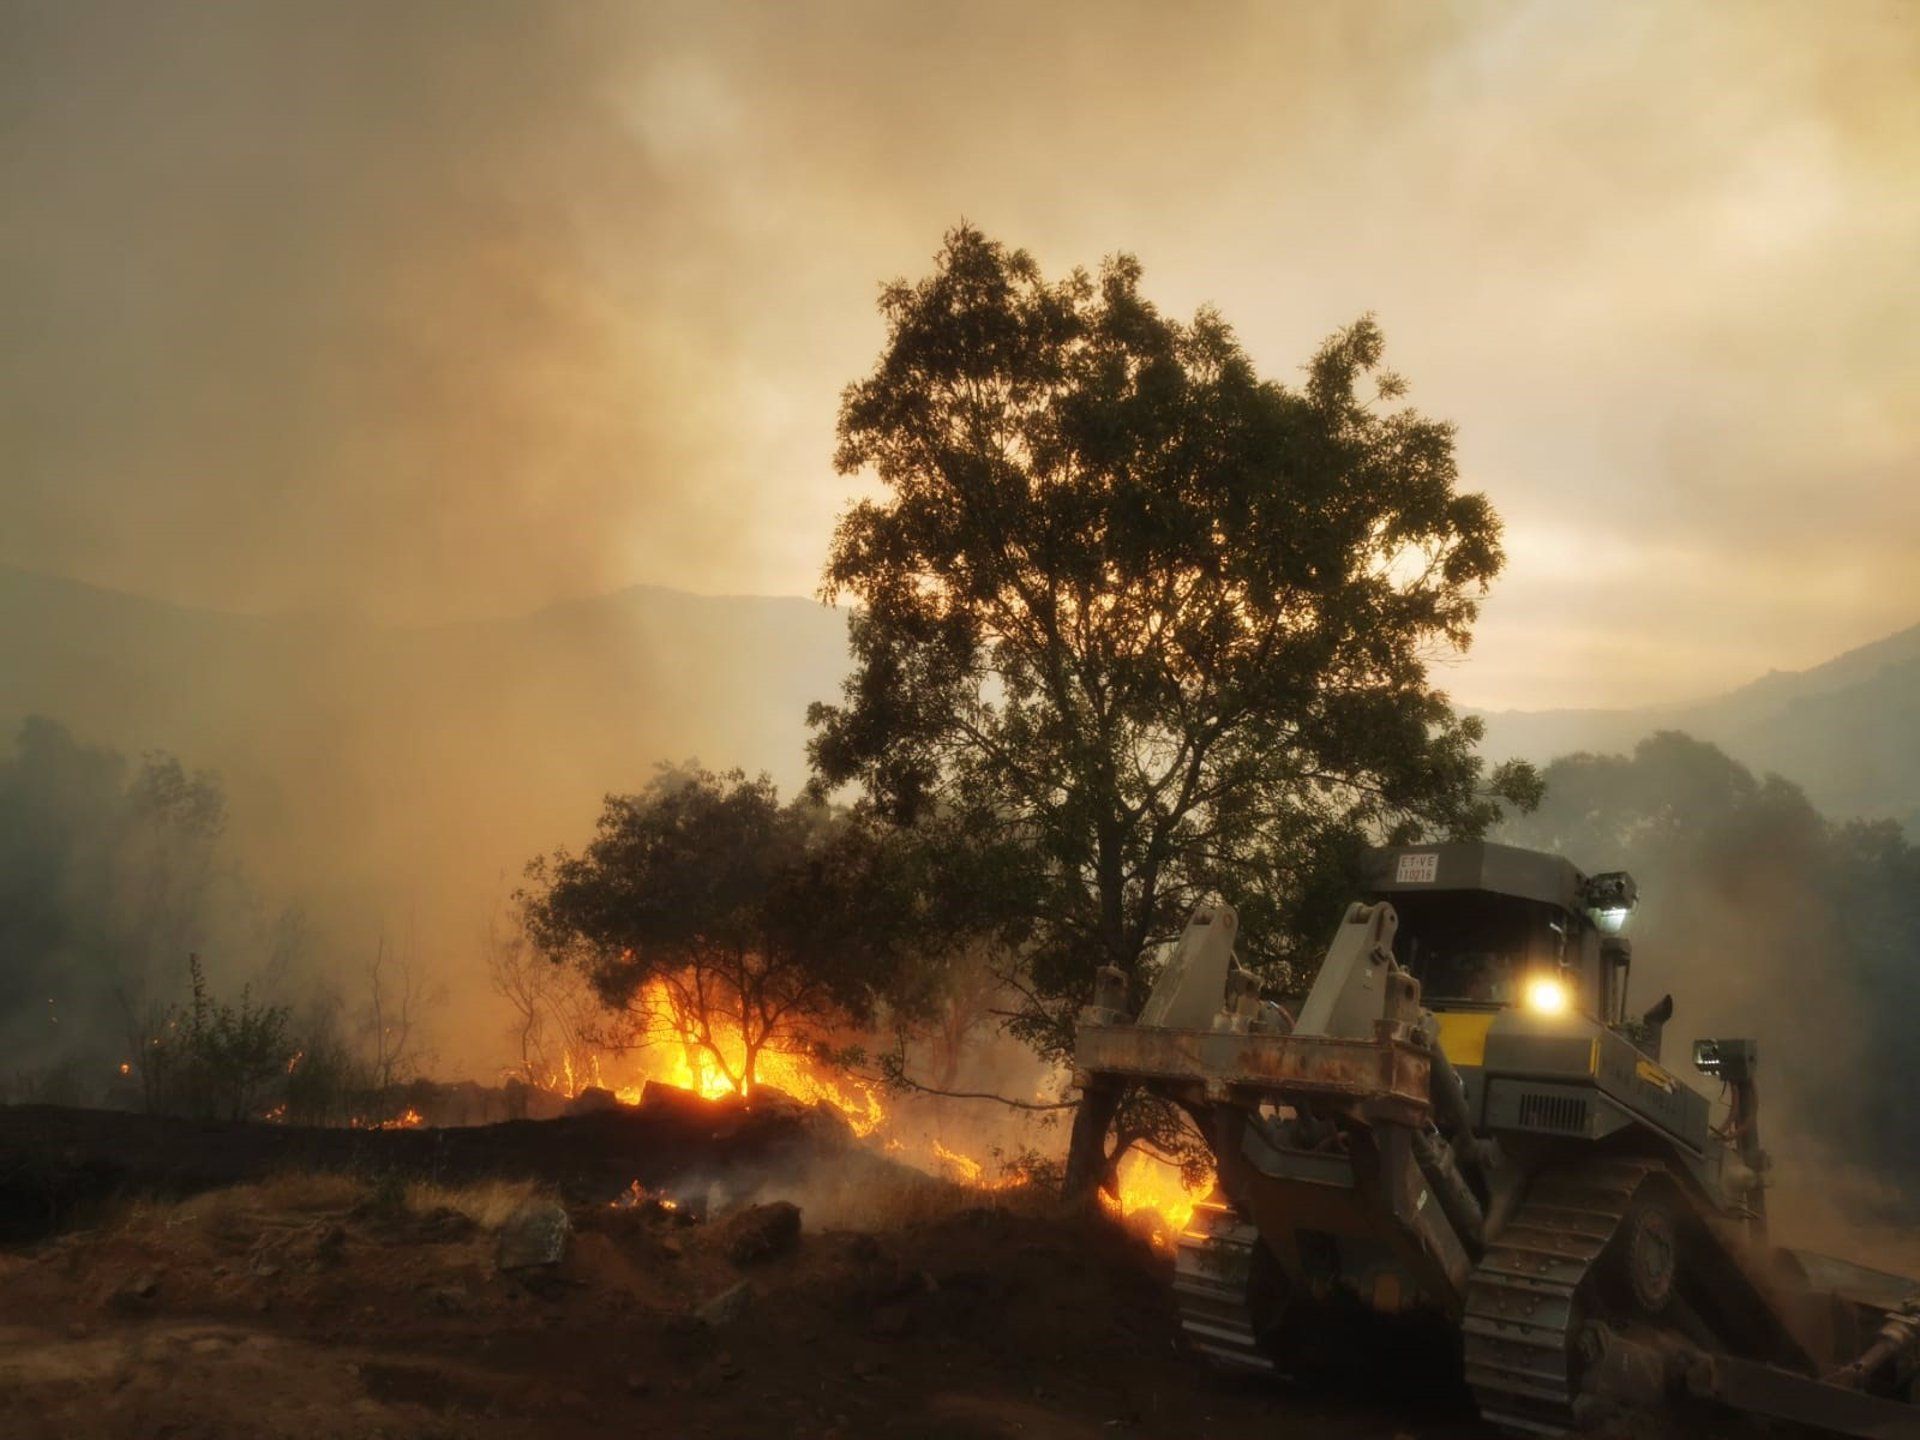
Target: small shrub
{"x": 211, "y": 1059}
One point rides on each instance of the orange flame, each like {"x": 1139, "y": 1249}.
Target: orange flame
{"x": 1154, "y": 1197}
{"x": 696, "y": 1067}
{"x": 637, "y": 1195}
{"x": 969, "y": 1171}
{"x": 408, "y": 1119}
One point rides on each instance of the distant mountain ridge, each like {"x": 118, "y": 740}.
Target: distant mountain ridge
{"x": 1847, "y": 731}
{"x": 364, "y": 758}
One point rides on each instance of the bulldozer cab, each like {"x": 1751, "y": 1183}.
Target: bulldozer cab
{"x": 1484, "y": 927}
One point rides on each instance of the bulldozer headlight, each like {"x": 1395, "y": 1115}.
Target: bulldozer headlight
{"x": 1545, "y": 995}
{"x": 1609, "y": 900}
{"x": 1611, "y": 919}
{"x": 1729, "y": 1060}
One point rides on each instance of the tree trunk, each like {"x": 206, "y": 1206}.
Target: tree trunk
{"x": 1087, "y": 1148}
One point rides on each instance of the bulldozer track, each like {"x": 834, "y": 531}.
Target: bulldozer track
{"x": 1521, "y": 1326}
{"x": 1211, "y": 1268}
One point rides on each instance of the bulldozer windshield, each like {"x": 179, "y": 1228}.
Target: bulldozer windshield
{"x": 1472, "y": 950}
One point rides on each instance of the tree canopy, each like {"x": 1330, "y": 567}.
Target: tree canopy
{"x": 1138, "y": 625}
{"x": 710, "y": 914}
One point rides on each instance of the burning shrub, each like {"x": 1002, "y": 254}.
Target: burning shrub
{"x": 708, "y": 915}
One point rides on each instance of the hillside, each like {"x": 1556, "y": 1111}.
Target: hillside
{"x": 333, "y": 726}
{"x": 1845, "y": 731}
{"x": 394, "y": 781}
{"x": 811, "y": 1288}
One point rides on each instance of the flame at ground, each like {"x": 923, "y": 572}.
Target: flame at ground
{"x": 638, "y": 1197}
{"x": 694, "y": 1066}
{"x": 797, "y": 1075}
{"x": 408, "y": 1119}
{"x": 1154, "y": 1196}
{"x": 970, "y": 1172}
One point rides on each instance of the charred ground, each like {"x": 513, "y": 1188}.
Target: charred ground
{"x": 369, "y": 1299}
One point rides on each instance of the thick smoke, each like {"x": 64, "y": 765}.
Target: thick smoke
{"x": 448, "y": 309}
{"x": 1765, "y": 921}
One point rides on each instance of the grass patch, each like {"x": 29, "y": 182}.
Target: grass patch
{"x": 487, "y": 1203}
{"x": 239, "y": 1212}
{"x": 306, "y": 1191}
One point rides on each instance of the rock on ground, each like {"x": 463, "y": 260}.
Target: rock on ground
{"x": 762, "y": 1232}
{"x": 533, "y": 1235}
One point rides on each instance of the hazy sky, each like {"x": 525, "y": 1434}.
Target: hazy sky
{"x": 441, "y": 310}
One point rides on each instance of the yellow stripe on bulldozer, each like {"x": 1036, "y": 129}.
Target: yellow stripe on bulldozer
{"x": 1463, "y": 1035}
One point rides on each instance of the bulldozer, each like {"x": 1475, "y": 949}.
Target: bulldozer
{"x": 1465, "y": 1137}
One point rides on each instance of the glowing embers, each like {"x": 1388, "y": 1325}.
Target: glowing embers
{"x": 655, "y": 1202}
{"x": 408, "y": 1119}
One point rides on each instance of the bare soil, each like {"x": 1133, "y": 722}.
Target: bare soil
{"x": 318, "y": 1305}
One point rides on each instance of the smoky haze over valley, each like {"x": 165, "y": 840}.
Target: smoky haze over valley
{"x": 391, "y": 397}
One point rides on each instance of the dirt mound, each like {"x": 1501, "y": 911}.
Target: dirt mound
{"x": 319, "y": 1305}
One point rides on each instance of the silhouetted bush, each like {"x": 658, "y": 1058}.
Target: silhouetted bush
{"x": 212, "y": 1059}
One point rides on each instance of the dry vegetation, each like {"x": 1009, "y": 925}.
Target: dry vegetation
{"x": 300, "y": 1197}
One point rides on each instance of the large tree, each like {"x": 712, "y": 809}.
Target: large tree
{"x": 1155, "y": 624}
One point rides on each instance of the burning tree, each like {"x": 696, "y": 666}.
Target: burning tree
{"x": 708, "y": 914}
